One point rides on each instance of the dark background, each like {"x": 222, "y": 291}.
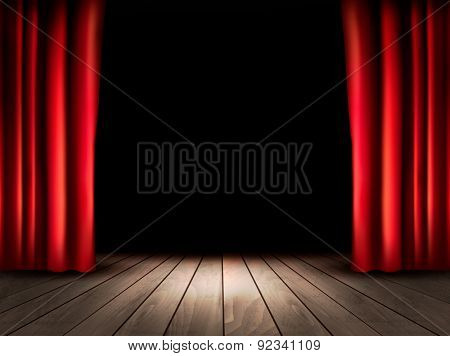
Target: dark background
{"x": 223, "y": 73}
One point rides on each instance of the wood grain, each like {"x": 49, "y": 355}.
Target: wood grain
{"x": 24, "y": 294}
{"x": 290, "y": 314}
{"x": 314, "y": 294}
{"x": 428, "y": 283}
{"x": 23, "y": 314}
{"x": 244, "y": 310}
{"x": 64, "y": 318}
{"x": 113, "y": 315}
{"x": 201, "y": 310}
{"x": 432, "y": 283}
{"x": 154, "y": 315}
{"x": 424, "y": 310}
{"x": 382, "y": 319}
{"x": 337, "y": 319}
{"x": 12, "y": 282}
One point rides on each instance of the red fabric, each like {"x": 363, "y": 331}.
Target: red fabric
{"x": 399, "y": 106}
{"x": 48, "y": 111}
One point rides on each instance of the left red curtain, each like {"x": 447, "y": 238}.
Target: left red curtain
{"x": 49, "y": 60}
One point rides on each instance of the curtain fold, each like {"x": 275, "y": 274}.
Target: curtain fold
{"x": 397, "y": 56}
{"x": 48, "y": 113}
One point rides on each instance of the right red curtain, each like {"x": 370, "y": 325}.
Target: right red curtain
{"x": 397, "y": 59}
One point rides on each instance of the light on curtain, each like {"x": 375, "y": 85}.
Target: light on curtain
{"x": 48, "y": 111}
{"x": 399, "y": 106}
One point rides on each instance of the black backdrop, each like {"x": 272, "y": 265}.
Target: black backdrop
{"x": 223, "y": 73}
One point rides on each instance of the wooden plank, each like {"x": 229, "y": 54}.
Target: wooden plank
{"x": 245, "y": 312}
{"x": 24, "y": 295}
{"x": 23, "y": 314}
{"x": 67, "y": 316}
{"x": 12, "y": 282}
{"x": 104, "y": 260}
{"x": 436, "y": 285}
{"x": 201, "y": 310}
{"x": 108, "y": 260}
{"x": 432, "y": 283}
{"x": 155, "y": 313}
{"x": 379, "y": 317}
{"x": 424, "y": 310}
{"x": 337, "y": 319}
{"x": 109, "y": 319}
{"x": 290, "y": 314}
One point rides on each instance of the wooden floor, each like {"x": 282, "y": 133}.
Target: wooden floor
{"x": 224, "y": 295}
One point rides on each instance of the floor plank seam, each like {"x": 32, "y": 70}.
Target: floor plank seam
{"x": 148, "y": 296}
{"x": 262, "y": 297}
{"x": 375, "y": 300}
{"x": 61, "y": 286}
{"x": 413, "y": 289}
{"x": 116, "y": 296}
{"x": 223, "y": 301}
{"x": 167, "y": 294}
{"x": 307, "y": 280}
{"x": 30, "y": 287}
{"x": 299, "y": 299}
{"x": 68, "y": 301}
{"x": 340, "y": 258}
{"x": 182, "y": 297}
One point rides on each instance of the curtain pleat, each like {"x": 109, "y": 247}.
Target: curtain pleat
{"x": 364, "y": 128}
{"x": 48, "y": 114}
{"x": 12, "y": 135}
{"x": 391, "y": 137}
{"x": 84, "y": 106}
{"x": 418, "y": 76}
{"x": 436, "y": 167}
{"x": 56, "y": 128}
{"x": 398, "y": 93}
{"x": 30, "y": 116}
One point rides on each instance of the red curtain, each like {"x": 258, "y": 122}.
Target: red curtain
{"x": 399, "y": 106}
{"x": 50, "y": 51}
